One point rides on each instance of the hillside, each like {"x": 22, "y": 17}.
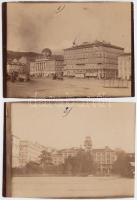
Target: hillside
{"x": 30, "y": 55}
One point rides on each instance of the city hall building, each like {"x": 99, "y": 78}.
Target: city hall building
{"x": 98, "y": 60}
{"x": 47, "y": 65}
{"x": 103, "y": 157}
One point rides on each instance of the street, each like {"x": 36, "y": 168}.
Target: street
{"x": 45, "y": 87}
{"x": 72, "y": 187}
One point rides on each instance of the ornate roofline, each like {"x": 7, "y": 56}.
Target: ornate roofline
{"x": 94, "y": 44}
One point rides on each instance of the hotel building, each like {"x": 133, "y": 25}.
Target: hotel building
{"x": 98, "y": 60}
{"x": 124, "y": 66}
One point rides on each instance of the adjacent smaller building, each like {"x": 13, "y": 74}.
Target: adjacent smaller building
{"x": 60, "y": 156}
{"x": 18, "y": 65}
{"x": 18, "y": 68}
{"x": 124, "y": 66}
{"x": 47, "y": 65}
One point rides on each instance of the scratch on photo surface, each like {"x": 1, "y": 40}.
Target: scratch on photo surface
{"x": 67, "y": 111}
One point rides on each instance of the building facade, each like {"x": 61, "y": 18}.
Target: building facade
{"x": 57, "y": 158}
{"x": 18, "y": 66}
{"x": 15, "y": 151}
{"x": 124, "y": 66}
{"x": 98, "y": 60}
{"x": 60, "y": 156}
{"x": 104, "y": 159}
{"x": 47, "y": 65}
{"x": 29, "y": 152}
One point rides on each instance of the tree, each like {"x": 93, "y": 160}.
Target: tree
{"x": 32, "y": 167}
{"x": 80, "y": 164}
{"x": 122, "y": 165}
{"x": 45, "y": 159}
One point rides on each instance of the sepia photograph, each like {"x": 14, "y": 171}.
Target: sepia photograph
{"x": 69, "y": 150}
{"x": 68, "y": 49}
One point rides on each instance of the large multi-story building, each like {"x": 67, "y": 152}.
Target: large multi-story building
{"x": 29, "y": 152}
{"x": 57, "y": 158}
{"x": 47, "y": 65}
{"x": 15, "y": 151}
{"x": 98, "y": 60}
{"x": 104, "y": 158}
{"x": 124, "y": 66}
{"x": 60, "y": 156}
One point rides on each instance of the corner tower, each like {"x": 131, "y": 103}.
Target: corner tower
{"x": 88, "y": 144}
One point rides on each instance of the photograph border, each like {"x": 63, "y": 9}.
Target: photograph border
{"x": 7, "y": 148}
{"x": 4, "y": 47}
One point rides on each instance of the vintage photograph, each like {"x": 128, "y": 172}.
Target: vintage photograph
{"x": 75, "y": 150}
{"x": 68, "y": 49}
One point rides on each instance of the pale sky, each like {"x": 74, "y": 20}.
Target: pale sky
{"x": 108, "y": 124}
{"x": 34, "y": 26}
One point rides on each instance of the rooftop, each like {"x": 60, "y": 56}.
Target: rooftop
{"x": 94, "y": 44}
{"x": 103, "y": 149}
{"x": 125, "y": 54}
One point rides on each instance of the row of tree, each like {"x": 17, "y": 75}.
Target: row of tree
{"x": 81, "y": 164}
{"x": 122, "y": 166}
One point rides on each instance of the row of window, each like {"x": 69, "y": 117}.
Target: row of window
{"x": 105, "y": 161}
{"x": 91, "y": 61}
{"x": 105, "y": 154}
{"x": 95, "y": 66}
{"x": 49, "y": 63}
{"x": 93, "y": 49}
{"x": 91, "y": 55}
{"x": 41, "y": 68}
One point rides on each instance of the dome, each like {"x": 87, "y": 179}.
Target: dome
{"x": 46, "y": 52}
